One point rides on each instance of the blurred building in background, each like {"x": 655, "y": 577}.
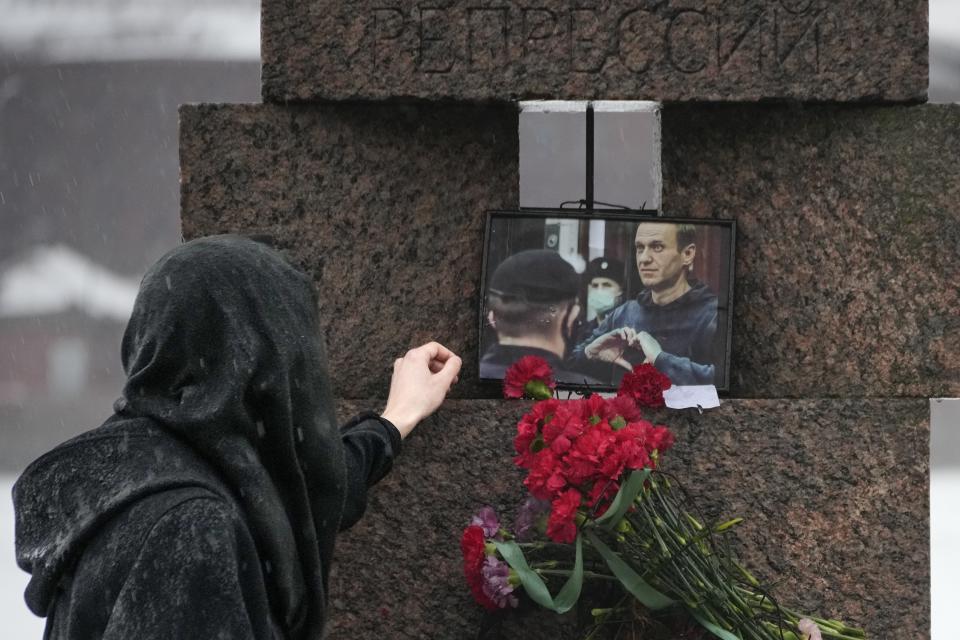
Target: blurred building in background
{"x": 89, "y": 189}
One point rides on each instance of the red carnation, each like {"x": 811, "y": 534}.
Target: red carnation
{"x": 473, "y": 546}
{"x": 527, "y": 432}
{"x": 595, "y": 408}
{"x": 545, "y": 465}
{"x": 661, "y": 438}
{"x": 530, "y": 427}
{"x": 632, "y": 450}
{"x": 645, "y": 385}
{"x": 576, "y": 450}
{"x": 529, "y": 377}
{"x": 587, "y": 454}
{"x": 626, "y": 408}
{"x": 566, "y": 426}
{"x": 562, "y": 525}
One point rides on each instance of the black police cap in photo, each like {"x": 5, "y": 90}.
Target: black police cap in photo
{"x": 536, "y": 276}
{"x": 605, "y": 268}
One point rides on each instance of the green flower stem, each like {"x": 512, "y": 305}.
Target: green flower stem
{"x": 787, "y": 633}
{"x": 831, "y": 633}
{"x": 827, "y": 633}
{"x": 606, "y": 613}
{"x": 666, "y": 556}
{"x": 681, "y": 557}
{"x": 681, "y": 544}
{"x": 746, "y": 574}
{"x": 834, "y": 625}
{"x": 824, "y": 624}
{"x": 831, "y": 628}
{"x": 653, "y": 530}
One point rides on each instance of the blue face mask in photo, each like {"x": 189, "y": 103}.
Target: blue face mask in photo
{"x": 600, "y": 301}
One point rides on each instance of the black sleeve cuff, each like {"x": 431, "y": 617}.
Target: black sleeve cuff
{"x": 392, "y": 432}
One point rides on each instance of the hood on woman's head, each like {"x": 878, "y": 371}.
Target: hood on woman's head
{"x": 224, "y": 345}
{"x": 221, "y": 327}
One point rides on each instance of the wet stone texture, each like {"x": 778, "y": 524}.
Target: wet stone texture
{"x": 848, "y": 228}
{"x": 834, "y": 529}
{"x": 716, "y": 50}
{"x": 848, "y": 246}
{"x": 384, "y": 206}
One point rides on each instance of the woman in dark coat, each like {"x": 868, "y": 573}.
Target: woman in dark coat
{"x": 208, "y": 504}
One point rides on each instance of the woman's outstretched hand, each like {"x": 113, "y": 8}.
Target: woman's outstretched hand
{"x": 421, "y": 380}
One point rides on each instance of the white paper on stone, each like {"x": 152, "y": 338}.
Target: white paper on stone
{"x": 626, "y": 153}
{"x": 691, "y": 397}
{"x": 553, "y": 148}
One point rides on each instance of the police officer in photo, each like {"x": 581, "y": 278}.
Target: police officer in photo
{"x": 532, "y": 305}
{"x": 604, "y": 280}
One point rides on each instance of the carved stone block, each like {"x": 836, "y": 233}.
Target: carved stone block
{"x": 742, "y": 50}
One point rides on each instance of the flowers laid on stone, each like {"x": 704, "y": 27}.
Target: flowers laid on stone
{"x": 529, "y": 377}
{"x": 487, "y": 520}
{"x": 602, "y": 508}
{"x": 490, "y": 579}
{"x": 576, "y": 451}
{"x": 646, "y": 385}
{"x": 499, "y": 582}
{"x": 473, "y": 545}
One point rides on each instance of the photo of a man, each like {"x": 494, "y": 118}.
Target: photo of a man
{"x": 672, "y": 323}
{"x": 597, "y": 293}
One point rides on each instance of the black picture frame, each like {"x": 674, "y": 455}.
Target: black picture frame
{"x": 711, "y": 275}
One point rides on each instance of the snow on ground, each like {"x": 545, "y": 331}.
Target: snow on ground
{"x": 18, "y": 622}
{"x": 944, "y": 516}
{"x": 945, "y": 552}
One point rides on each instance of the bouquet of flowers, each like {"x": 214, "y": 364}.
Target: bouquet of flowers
{"x": 601, "y": 508}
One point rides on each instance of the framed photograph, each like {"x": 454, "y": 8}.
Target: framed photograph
{"x": 596, "y": 293}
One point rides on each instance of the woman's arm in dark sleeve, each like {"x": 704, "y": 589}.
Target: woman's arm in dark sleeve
{"x": 370, "y": 444}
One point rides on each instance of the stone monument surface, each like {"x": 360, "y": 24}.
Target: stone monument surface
{"x": 718, "y": 50}
{"x": 848, "y": 224}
